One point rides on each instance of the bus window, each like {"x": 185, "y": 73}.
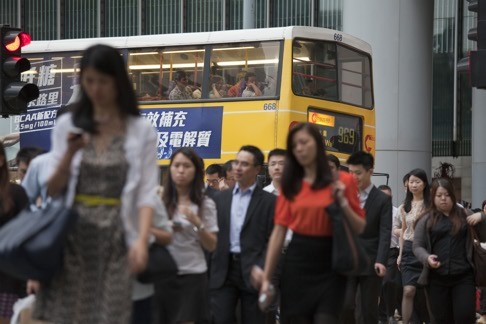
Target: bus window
{"x": 172, "y": 73}
{"x": 244, "y": 70}
{"x": 355, "y": 77}
{"x": 314, "y": 69}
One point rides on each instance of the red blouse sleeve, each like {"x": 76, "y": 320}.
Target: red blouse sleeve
{"x": 352, "y": 192}
{"x": 282, "y": 211}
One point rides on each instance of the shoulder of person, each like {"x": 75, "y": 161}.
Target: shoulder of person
{"x": 381, "y": 194}
{"x": 65, "y": 121}
{"x": 345, "y": 177}
{"x": 268, "y": 188}
{"x": 18, "y": 194}
{"x": 140, "y": 125}
{"x": 223, "y": 196}
{"x": 265, "y": 194}
{"x": 208, "y": 202}
{"x": 400, "y": 209}
{"x": 138, "y": 121}
{"x": 423, "y": 219}
{"x": 15, "y": 188}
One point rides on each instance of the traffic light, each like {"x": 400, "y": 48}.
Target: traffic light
{"x": 477, "y": 59}
{"x": 14, "y": 94}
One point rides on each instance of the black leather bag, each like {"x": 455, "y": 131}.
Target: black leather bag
{"x": 423, "y": 279}
{"x": 478, "y": 258}
{"x": 348, "y": 257}
{"x": 32, "y": 244}
{"x": 160, "y": 265}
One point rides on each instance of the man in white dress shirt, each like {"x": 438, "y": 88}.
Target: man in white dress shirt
{"x": 276, "y": 162}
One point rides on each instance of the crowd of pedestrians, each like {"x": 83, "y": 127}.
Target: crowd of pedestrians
{"x": 244, "y": 253}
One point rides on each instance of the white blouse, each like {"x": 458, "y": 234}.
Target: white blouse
{"x": 143, "y": 174}
{"x": 410, "y": 218}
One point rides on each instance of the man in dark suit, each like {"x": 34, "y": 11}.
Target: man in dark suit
{"x": 376, "y": 241}
{"x": 245, "y": 221}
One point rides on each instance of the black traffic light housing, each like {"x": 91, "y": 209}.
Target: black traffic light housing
{"x": 14, "y": 94}
{"x": 477, "y": 59}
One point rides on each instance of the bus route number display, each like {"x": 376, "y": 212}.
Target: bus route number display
{"x": 342, "y": 133}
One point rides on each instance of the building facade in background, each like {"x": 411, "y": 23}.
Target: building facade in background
{"x": 451, "y": 98}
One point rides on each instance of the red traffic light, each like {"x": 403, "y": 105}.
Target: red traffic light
{"x": 14, "y": 40}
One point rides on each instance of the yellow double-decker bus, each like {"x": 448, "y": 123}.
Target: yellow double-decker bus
{"x": 217, "y": 91}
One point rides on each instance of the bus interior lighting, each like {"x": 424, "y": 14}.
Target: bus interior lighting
{"x": 143, "y": 53}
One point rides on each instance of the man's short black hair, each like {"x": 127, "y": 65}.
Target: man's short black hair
{"x": 384, "y": 187}
{"x": 334, "y": 159}
{"x": 227, "y": 166}
{"x": 276, "y": 152}
{"x": 258, "y": 156}
{"x": 179, "y": 75}
{"x": 215, "y": 168}
{"x": 362, "y": 158}
{"x": 248, "y": 75}
{"x": 27, "y": 154}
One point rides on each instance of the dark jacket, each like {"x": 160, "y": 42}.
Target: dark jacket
{"x": 377, "y": 232}
{"x": 9, "y": 284}
{"x": 254, "y": 236}
{"x": 422, "y": 246}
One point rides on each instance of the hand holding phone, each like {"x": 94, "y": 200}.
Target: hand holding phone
{"x": 433, "y": 261}
{"x": 75, "y": 139}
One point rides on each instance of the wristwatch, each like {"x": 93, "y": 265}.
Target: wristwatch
{"x": 198, "y": 229}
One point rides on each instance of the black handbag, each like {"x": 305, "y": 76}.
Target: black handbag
{"x": 32, "y": 244}
{"x": 478, "y": 258}
{"x": 423, "y": 279}
{"x": 160, "y": 265}
{"x": 348, "y": 257}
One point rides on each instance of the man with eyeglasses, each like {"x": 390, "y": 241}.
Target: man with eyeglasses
{"x": 214, "y": 174}
{"x": 245, "y": 221}
{"x": 276, "y": 162}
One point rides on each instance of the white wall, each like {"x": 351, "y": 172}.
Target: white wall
{"x": 478, "y": 151}
{"x": 400, "y": 34}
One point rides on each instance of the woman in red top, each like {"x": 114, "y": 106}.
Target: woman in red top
{"x": 311, "y": 292}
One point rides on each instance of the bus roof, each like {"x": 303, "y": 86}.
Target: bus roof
{"x": 215, "y": 37}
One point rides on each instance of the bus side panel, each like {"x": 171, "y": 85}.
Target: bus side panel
{"x": 242, "y": 123}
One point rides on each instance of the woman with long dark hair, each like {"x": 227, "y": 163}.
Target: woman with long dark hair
{"x": 417, "y": 200}
{"x": 311, "y": 292}
{"x": 12, "y": 200}
{"x": 106, "y": 170}
{"x": 193, "y": 215}
{"x": 451, "y": 288}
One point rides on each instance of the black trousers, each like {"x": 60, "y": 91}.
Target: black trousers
{"x": 452, "y": 298}
{"x": 225, "y": 299}
{"x": 391, "y": 290}
{"x": 361, "y": 308}
{"x": 482, "y": 309}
